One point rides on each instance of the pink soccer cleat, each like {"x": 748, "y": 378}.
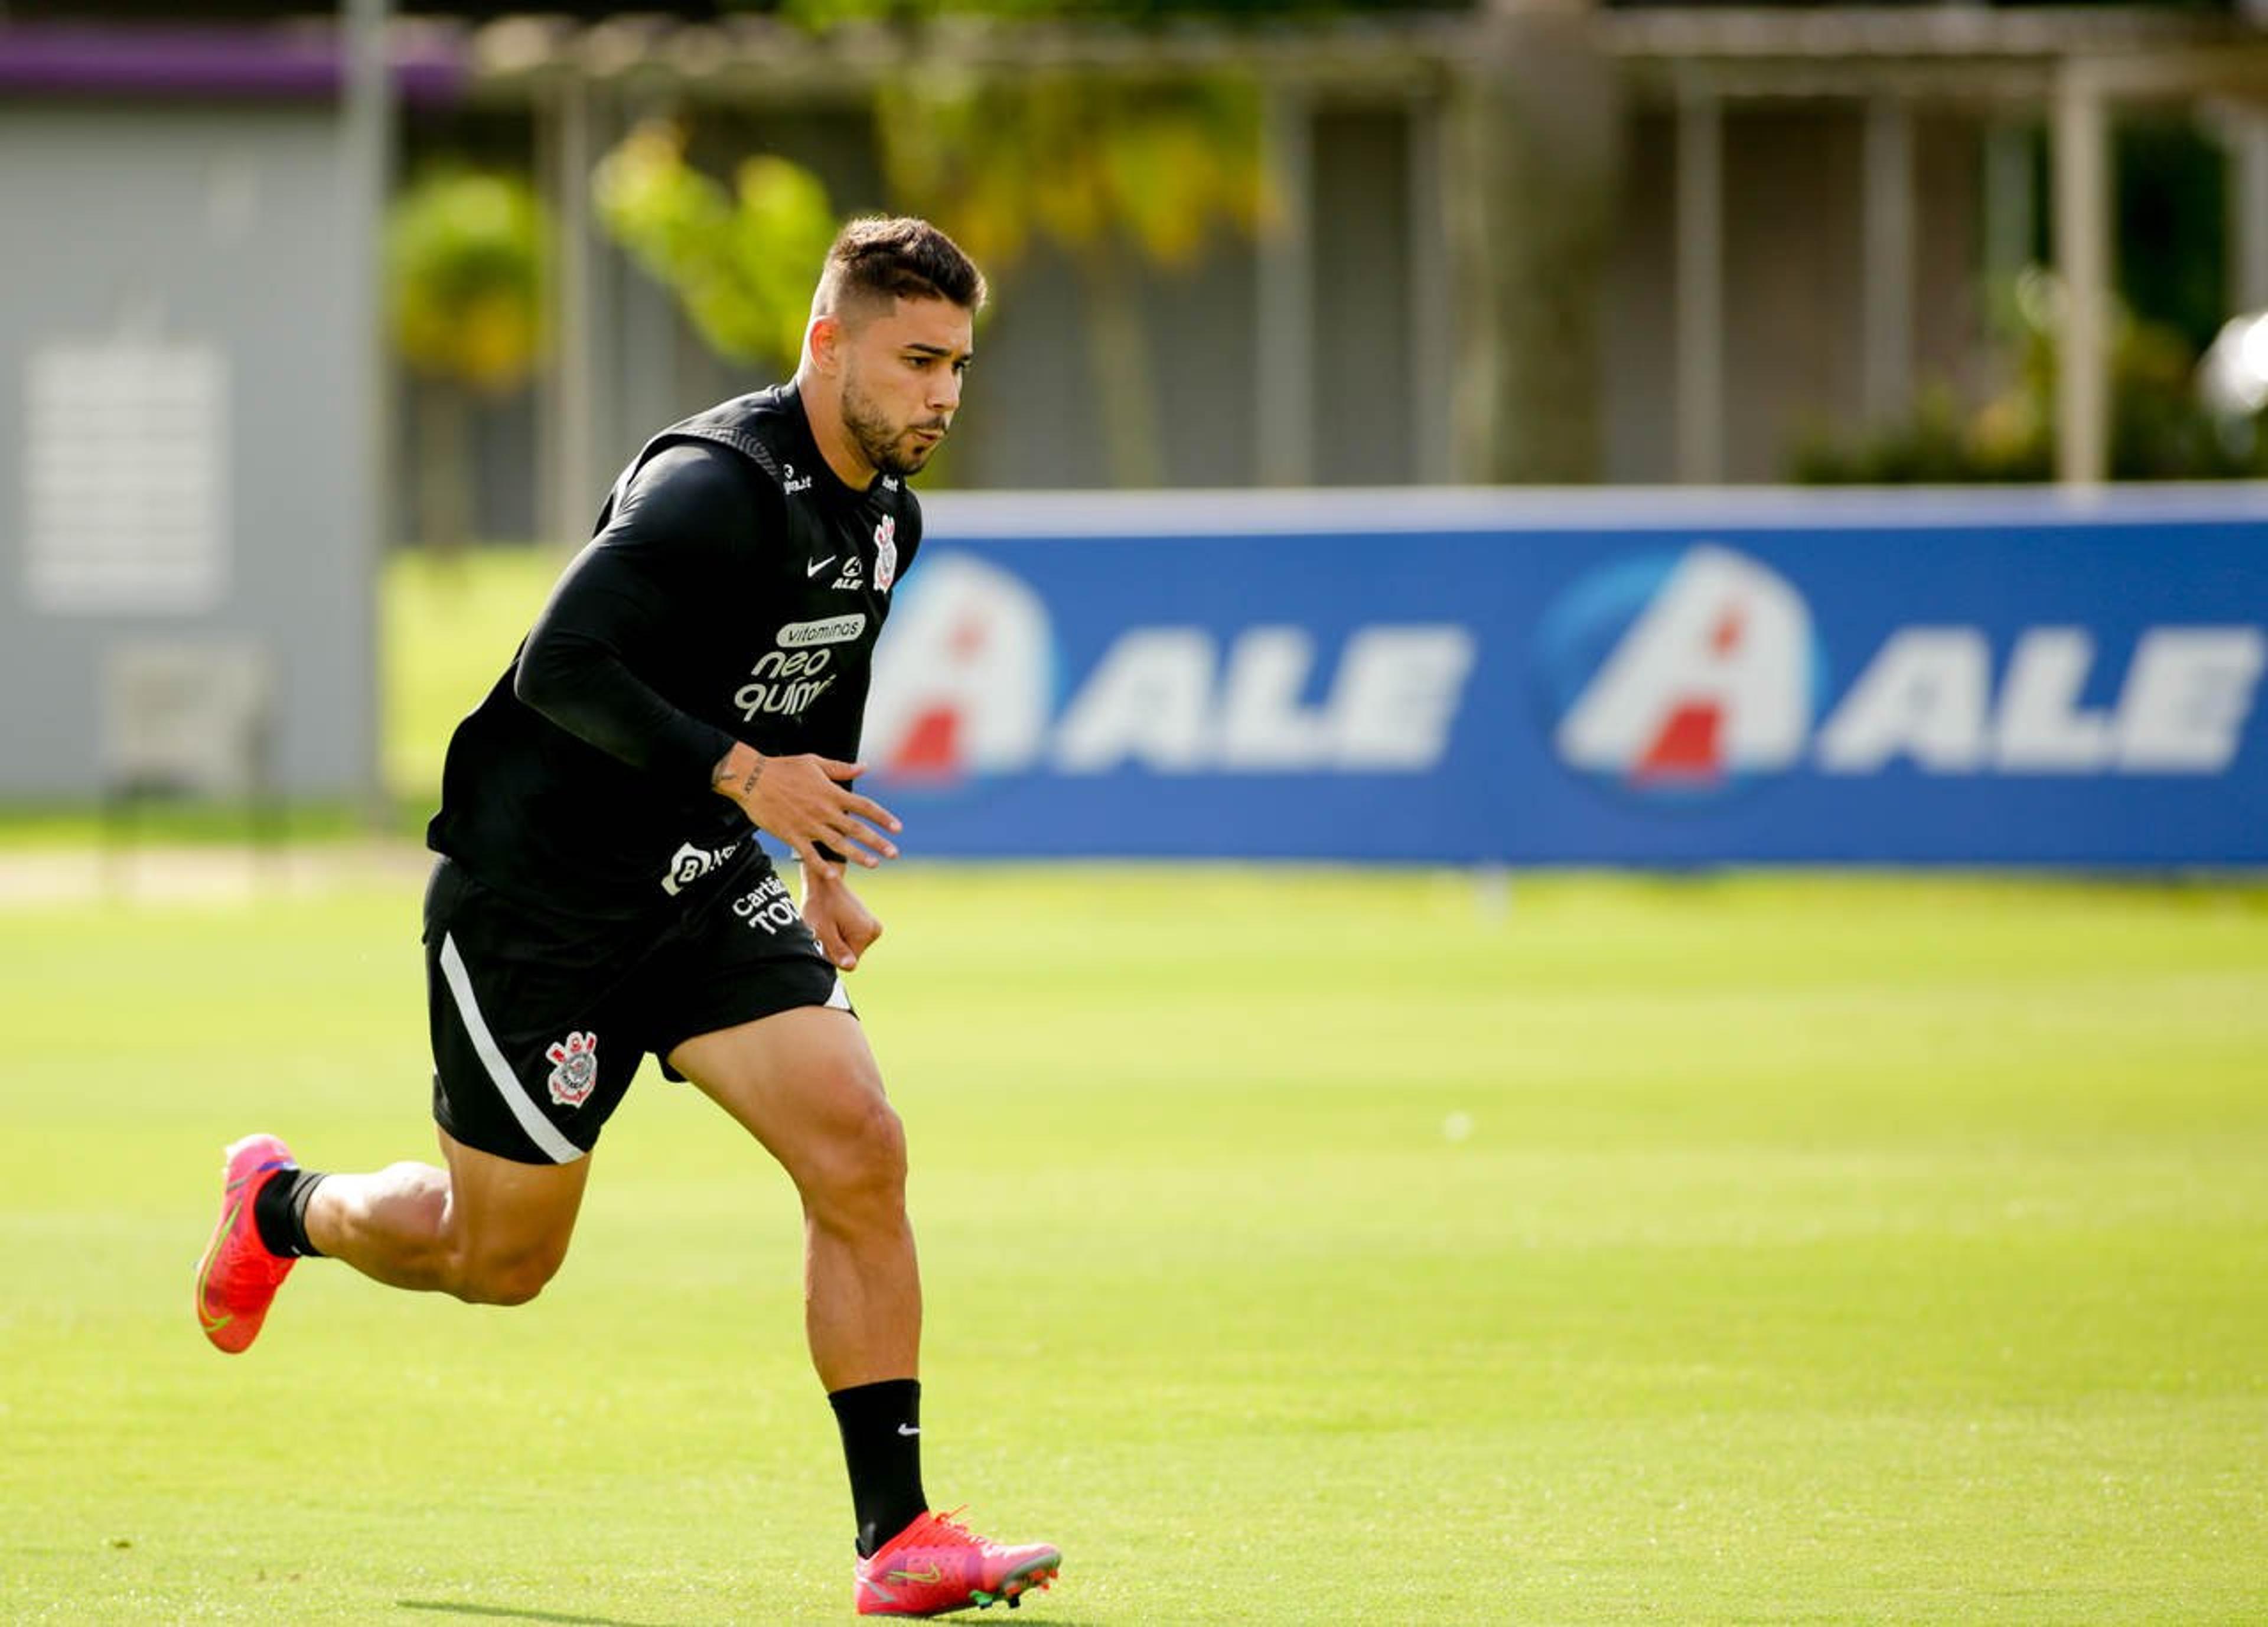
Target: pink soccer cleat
{"x": 238, "y": 1279}
{"x": 937, "y": 1564}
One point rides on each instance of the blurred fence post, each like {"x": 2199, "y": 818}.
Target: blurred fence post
{"x": 1887, "y": 266}
{"x": 1534, "y": 121}
{"x": 366, "y": 166}
{"x": 2082, "y": 252}
{"x": 567, "y": 498}
{"x": 2248, "y": 270}
{"x": 1433, "y": 336}
{"x": 1700, "y": 366}
{"x": 1284, "y": 336}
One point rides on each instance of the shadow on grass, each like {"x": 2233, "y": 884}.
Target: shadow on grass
{"x": 505, "y": 1613}
{"x": 499, "y": 1612}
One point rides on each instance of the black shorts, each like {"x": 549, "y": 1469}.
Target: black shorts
{"x": 540, "y": 1020}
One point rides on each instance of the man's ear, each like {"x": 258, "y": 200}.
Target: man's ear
{"x": 823, "y": 338}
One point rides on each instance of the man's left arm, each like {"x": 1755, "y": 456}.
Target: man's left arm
{"x": 845, "y": 928}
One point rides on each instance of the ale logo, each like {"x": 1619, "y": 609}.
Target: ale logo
{"x": 1681, "y": 673}
{"x": 1686, "y": 673}
{"x": 965, "y": 681}
{"x": 971, "y": 683}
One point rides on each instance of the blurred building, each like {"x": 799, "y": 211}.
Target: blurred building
{"x": 1538, "y": 241}
{"x": 188, "y": 342}
{"x": 1526, "y": 239}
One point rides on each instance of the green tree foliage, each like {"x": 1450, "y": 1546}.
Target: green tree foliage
{"x": 2159, "y": 429}
{"x": 465, "y": 263}
{"x": 465, "y": 254}
{"x": 1100, "y": 167}
{"x": 740, "y": 261}
{"x": 1112, "y": 171}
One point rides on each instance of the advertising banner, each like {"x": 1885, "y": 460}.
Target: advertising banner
{"x": 1995, "y": 678}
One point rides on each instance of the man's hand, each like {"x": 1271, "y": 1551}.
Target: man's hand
{"x": 844, "y": 926}
{"x": 802, "y": 800}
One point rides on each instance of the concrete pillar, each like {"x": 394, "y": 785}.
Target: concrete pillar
{"x": 1530, "y": 189}
{"x": 366, "y": 514}
{"x": 1432, "y": 310}
{"x": 1888, "y": 204}
{"x": 647, "y": 364}
{"x": 651, "y": 397}
{"x": 1700, "y": 220}
{"x": 1283, "y": 326}
{"x": 606, "y": 270}
{"x": 2248, "y": 235}
{"x": 568, "y": 498}
{"x": 2082, "y": 249}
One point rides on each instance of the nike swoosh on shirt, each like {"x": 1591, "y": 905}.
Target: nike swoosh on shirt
{"x": 817, "y": 566}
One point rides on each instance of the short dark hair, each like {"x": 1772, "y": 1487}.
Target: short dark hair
{"x": 879, "y": 258}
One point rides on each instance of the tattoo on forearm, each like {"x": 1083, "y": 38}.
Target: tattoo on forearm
{"x": 748, "y": 786}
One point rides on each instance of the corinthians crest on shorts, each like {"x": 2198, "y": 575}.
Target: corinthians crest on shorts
{"x": 575, "y": 1069}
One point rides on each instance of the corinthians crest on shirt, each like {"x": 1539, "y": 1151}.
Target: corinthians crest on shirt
{"x": 575, "y": 1069}
{"x": 886, "y": 553}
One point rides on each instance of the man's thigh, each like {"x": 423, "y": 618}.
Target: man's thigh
{"x": 504, "y": 1213}
{"x": 803, "y": 1082}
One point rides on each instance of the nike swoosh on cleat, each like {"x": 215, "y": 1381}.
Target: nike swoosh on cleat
{"x": 204, "y": 1269}
{"x": 926, "y": 1574}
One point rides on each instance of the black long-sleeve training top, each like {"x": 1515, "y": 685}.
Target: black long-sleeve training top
{"x": 733, "y": 591}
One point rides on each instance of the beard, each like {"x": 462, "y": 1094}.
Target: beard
{"x": 883, "y": 444}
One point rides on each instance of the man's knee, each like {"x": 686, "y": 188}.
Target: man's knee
{"x": 507, "y": 1225}
{"x": 505, "y": 1279}
{"x": 871, "y": 1152}
{"x": 862, "y": 1165}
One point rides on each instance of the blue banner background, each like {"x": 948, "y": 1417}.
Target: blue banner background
{"x": 1503, "y": 567}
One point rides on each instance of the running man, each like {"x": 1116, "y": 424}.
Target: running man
{"x": 700, "y": 668}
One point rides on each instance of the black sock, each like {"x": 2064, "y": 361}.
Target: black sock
{"x": 280, "y": 1211}
{"x": 881, "y": 1442}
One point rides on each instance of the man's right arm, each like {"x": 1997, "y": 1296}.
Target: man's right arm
{"x": 670, "y": 540}
{"x": 628, "y": 594}
{"x": 807, "y": 802}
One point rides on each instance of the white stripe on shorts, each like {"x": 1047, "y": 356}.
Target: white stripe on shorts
{"x": 540, "y": 1129}
{"x": 839, "y": 1000}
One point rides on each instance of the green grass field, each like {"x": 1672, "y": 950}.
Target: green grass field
{"x": 1301, "y": 1248}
